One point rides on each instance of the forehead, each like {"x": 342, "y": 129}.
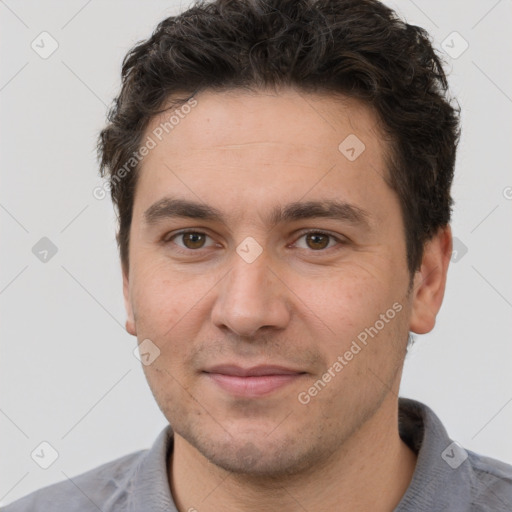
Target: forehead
{"x": 237, "y": 117}
{"x": 259, "y": 145}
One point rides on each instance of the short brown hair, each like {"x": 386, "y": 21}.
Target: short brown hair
{"x": 359, "y": 48}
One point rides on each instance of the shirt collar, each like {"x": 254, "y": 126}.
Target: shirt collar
{"x": 435, "y": 485}
{"x": 150, "y": 484}
{"x": 419, "y": 428}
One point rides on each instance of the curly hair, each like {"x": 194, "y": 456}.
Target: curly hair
{"x": 359, "y": 48}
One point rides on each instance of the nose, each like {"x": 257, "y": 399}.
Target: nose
{"x": 251, "y": 297}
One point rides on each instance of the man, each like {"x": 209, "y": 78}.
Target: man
{"x": 282, "y": 173}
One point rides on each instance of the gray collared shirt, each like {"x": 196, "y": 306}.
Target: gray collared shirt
{"x": 446, "y": 478}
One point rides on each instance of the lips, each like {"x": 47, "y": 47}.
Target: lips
{"x": 252, "y": 382}
{"x": 255, "y": 371}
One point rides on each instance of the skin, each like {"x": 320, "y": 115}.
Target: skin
{"x": 299, "y": 304}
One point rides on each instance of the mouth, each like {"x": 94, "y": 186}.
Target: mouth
{"x": 252, "y": 382}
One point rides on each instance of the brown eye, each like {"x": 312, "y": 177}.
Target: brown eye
{"x": 187, "y": 242}
{"x": 317, "y": 241}
{"x": 192, "y": 240}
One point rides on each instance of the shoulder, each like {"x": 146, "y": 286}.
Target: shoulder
{"x": 103, "y": 488}
{"x": 448, "y": 476}
{"x": 491, "y": 483}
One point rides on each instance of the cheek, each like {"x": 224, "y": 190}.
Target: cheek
{"x": 164, "y": 299}
{"x": 343, "y": 302}
{"x": 347, "y": 307}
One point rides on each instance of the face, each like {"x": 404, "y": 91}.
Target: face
{"x": 268, "y": 268}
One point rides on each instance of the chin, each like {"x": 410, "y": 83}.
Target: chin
{"x": 255, "y": 454}
{"x": 250, "y": 459}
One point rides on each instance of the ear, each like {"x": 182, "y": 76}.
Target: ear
{"x": 130, "y": 320}
{"x": 430, "y": 281}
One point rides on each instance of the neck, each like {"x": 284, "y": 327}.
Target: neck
{"x": 371, "y": 471}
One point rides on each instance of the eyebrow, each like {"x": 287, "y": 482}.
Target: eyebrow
{"x": 169, "y": 207}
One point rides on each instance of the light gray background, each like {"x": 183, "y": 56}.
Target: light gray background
{"x": 68, "y": 374}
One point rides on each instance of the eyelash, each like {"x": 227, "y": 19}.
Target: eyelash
{"x": 182, "y": 250}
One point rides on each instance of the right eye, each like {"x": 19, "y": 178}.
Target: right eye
{"x": 190, "y": 240}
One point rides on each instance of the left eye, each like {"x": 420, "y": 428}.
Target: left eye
{"x": 317, "y": 241}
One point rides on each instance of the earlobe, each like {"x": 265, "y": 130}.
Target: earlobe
{"x": 430, "y": 282}
{"x": 130, "y": 321}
